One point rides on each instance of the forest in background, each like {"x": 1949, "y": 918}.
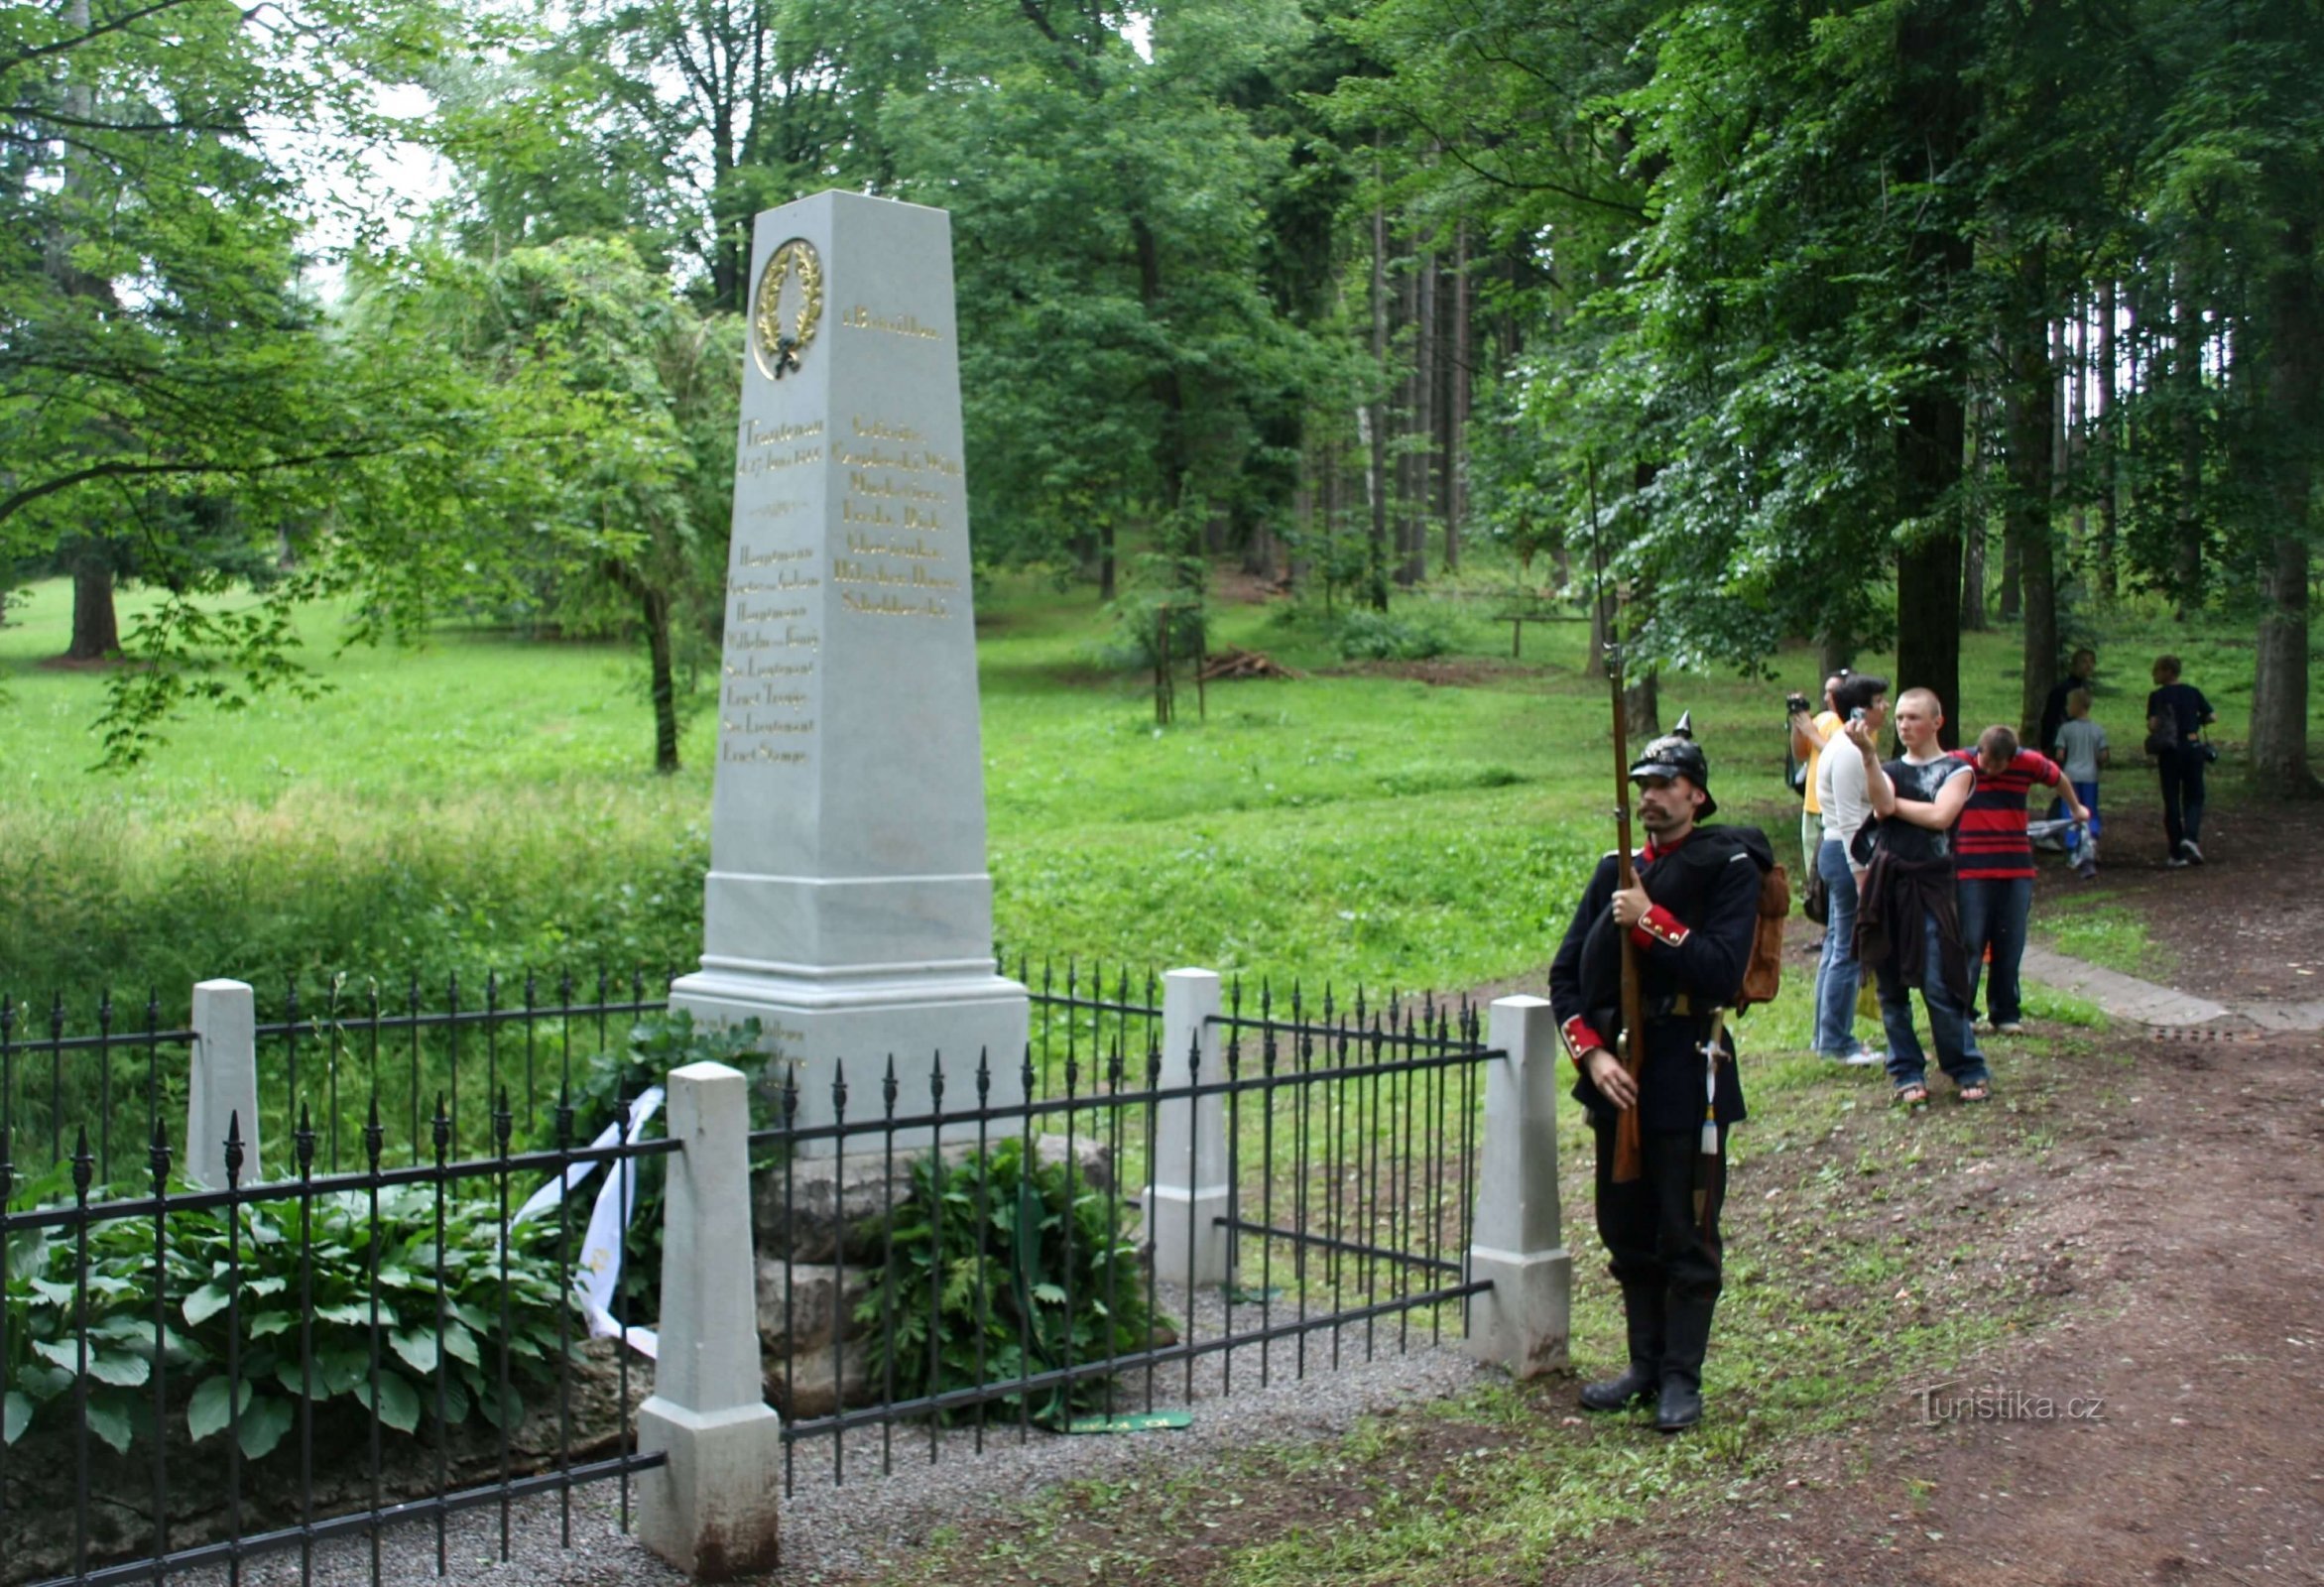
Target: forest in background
{"x": 1860, "y": 323}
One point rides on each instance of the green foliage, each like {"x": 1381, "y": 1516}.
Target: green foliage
{"x": 1410, "y": 635}
{"x": 328, "y": 1305}
{"x": 999, "y": 1271}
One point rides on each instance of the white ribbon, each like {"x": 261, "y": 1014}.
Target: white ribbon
{"x": 599, "y": 1271}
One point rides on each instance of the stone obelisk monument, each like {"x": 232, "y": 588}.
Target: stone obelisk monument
{"x": 849, "y": 906}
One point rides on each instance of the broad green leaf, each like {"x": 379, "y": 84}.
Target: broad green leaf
{"x": 399, "y": 1402}
{"x": 343, "y": 1370}
{"x": 1048, "y": 1293}
{"x": 268, "y": 1323}
{"x": 119, "y": 1368}
{"x": 16, "y": 1414}
{"x": 416, "y": 1347}
{"x": 263, "y": 1425}
{"x": 204, "y": 1303}
{"x": 461, "y": 1344}
{"x": 112, "y": 1423}
{"x": 206, "y": 1413}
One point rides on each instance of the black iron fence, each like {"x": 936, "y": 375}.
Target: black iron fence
{"x": 335, "y": 1050}
{"x": 1160, "y": 1202}
{"x": 201, "y": 1375}
{"x": 1003, "y": 1268}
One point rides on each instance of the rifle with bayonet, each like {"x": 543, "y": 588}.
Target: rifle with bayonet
{"x": 1632, "y": 1041}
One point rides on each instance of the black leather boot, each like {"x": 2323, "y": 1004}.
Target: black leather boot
{"x": 1642, "y": 1311}
{"x": 1686, "y": 1338}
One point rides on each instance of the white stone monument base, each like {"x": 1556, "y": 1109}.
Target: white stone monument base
{"x": 1521, "y": 1321}
{"x": 710, "y": 1511}
{"x": 853, "y": 1021}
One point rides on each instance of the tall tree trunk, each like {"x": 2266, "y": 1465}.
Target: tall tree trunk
{"x": 2010, "y": 598}
{"x": 2295, "y": 352}
{"x": 1456, "y": 430}
{"x": 2029, "y": 416}
{"x": 1411, "y": 458}
{"x": 1107, "y": 582}
{"x": 96, "y": 630}
{"x": 2102, "y": 570}
{"x": 2187, "y": 526}
{"x": 1833, "y": 652}
{"x": 1377, "y": 479}
{"x": 1974, "y": 532}
{"x": 654, "y": 612}
{"x": 1642, "y": 708}
{"x": 1928, "y": 568}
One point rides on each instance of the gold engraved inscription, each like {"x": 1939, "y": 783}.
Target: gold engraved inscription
{"x": 755, "y": 434}
{"x": 751, "y": 464}
{"x": 772, "y": 558}
{"x": 862, "y": 318}
{"x": 847, "y": 571}
{"x": 862, "y": 545}
{"x": 757, "y": 754}
{"x": 891, "y": 606}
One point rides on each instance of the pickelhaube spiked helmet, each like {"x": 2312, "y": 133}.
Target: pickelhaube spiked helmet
{"x": 1676, "y": 754}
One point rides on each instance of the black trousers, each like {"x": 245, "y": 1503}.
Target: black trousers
{"x": 2183, "y": 795}
{"x": 1651, "y": 1231}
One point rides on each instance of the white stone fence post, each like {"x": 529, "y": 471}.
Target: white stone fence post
{"x": 1192, "y": 1171}
{"x": 222, "y": 1088}
{"x": 710, "y": 1510}
{"x": 1517, "y": 1242}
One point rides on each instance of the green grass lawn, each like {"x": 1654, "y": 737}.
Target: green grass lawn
{"x": 482, "y": 801}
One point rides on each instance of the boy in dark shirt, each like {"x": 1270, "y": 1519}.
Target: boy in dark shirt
{"x": 2177, "y": 712}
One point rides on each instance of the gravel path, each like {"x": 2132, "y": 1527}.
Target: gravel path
{"x": 836, "y": 1532}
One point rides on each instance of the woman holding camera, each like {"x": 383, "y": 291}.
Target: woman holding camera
{"x": 2176, "y": 714}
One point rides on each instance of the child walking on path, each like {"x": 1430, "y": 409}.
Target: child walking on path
{"x": 2080, "y": 750}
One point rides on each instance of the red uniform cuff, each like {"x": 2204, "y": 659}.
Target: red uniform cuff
{"x": 1659, "y": 924}
{"x": 1579, "y": 1039}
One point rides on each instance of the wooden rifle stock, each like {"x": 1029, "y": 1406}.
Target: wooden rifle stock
{"x": 1632, "y": 1039}
{"x": 1626, "y": 1126}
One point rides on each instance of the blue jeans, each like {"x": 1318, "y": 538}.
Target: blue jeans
{"x": 1837, "y": 974}
{"x": 1995, "y": 911}
{"x": 1948, "y": 1022}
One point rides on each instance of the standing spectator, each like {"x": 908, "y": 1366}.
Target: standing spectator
{"x": 1992, "y": 864}
{"x": 1809, "y": 735}
{"x": 1907, "y": 920}
{"x": 2080, "y": 750}
{"x": 2176, "y": 713}
{"x": 1845, "y": 807}
{"x": 2079, "y": 672}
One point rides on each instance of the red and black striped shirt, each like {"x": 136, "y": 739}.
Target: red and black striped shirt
{"x": 1989, "y": 842}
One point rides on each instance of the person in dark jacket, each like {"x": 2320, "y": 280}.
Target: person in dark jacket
{"x": 2176, "y": 714}
{"x": 1689, "y": 918}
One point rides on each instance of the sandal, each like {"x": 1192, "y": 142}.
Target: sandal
{"x": 1912, "y": 1096}
{"x": 1977, "y": 1091}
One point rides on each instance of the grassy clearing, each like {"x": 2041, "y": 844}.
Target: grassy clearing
{"x": 480, "y": 802}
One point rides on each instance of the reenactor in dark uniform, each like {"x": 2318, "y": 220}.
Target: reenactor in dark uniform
{"x": 1691, "y": 919}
